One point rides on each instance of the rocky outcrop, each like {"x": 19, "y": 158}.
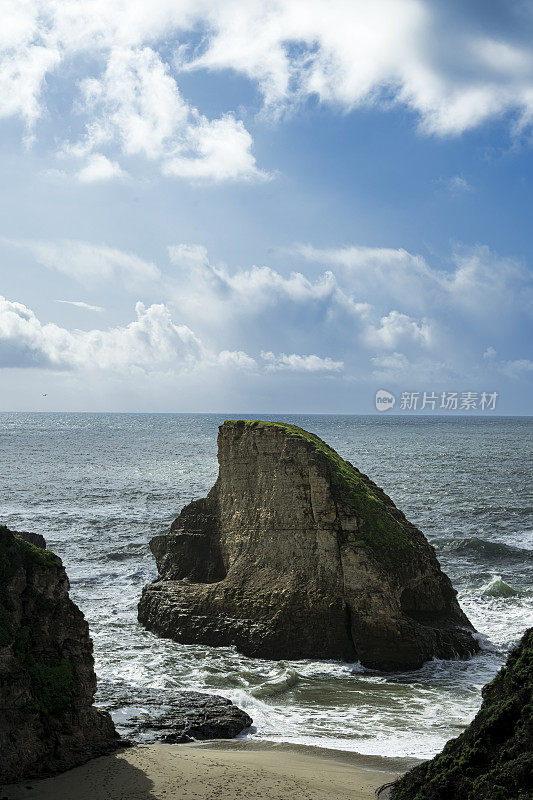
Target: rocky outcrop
{"x": 47, "y": 681}
{"x": 294, "y": 553}
{"x": 493, "y": 758}
{"x": 196, "y": 716}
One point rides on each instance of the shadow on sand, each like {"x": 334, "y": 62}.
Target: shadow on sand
{"x": 106, "y": 778}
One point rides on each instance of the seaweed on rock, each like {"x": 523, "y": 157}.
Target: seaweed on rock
{"x": 493, "y": 758}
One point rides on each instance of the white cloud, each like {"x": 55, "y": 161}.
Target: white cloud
{"x": 381, "y": 308}
{"x": 478, "y": 282}
{"x": 152, "y": 343}
{"x": 452, "y": 67}
{"x": 515, "y": 369}
{"x": 190, "y": 256}
{"x": 402, "y": 278}
{"x": 80, "y": 304}
{"x": 99, "y": 168}
{"x": 297, "y": 363}
{"x": 218, "y": 150}
{"x": 396, "y": 328}
{"x": 91, "y": 264}
{"x": 363, "y": 317}
{"x": 209, "y": 288}
{"x": 136, "y": 106}
{"x": 335, "y": 311}
{"x": 236, "y": 358}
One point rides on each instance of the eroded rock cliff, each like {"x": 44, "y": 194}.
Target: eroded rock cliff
{"x": 493, "y": 758}
{"x": 294, "y": 553}
{"x": 47, "y": 681}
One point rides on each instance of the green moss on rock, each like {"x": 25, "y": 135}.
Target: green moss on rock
{"x": 385, "y": 529}
{"x": 493, "y": 758}
{"x": 52, "y": 678}
{"x": 53, "y": 685}
{"x": 16, "y": 553}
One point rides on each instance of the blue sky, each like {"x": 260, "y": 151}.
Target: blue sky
{"x": 264, "y": 206}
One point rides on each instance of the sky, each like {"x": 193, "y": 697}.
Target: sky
{"x": 277, "y": 207}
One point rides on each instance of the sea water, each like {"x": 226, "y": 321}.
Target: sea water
{"x": 99, "y": 486}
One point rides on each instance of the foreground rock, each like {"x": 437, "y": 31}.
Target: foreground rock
{"x": 197, "y": 716}
{"x": 493, "y": 758}
{"x": 296, "y": 554}
{"x": 47, "y": 681}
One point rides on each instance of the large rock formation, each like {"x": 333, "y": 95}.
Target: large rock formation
{"x": 493, "y": 758}
{"x": 47, "y": 681}
{"x": 294, "y": 553}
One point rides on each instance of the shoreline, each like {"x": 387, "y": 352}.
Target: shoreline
{"x": 219, "y": 770}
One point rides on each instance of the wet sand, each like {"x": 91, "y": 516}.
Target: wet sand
{"x": 218, "y": 771}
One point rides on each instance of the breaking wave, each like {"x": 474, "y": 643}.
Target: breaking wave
{"x": 277, "y": 685}
{"x": 499, "y": 588}
{"x": 484, "y": 548}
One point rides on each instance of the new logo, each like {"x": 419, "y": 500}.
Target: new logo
{"x": 384, "y": 400}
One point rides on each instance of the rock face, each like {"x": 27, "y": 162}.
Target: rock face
{"x": 47, "y": 681}
{"x": 493, "y": 758}
{"x": 294, "y": 553}
{"x": 203, "y": 716}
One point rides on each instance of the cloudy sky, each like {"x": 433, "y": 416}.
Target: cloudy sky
{"x": 264, "y": 205}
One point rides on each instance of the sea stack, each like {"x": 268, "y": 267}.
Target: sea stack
{"x": 493, "y": 758}
{"x": 47, "y": 682}
{"x": 295, "y": 554}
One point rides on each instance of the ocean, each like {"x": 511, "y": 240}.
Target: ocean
{"x": 99, "y": 486}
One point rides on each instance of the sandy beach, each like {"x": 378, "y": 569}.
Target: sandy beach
{"x": 218, "y": 771}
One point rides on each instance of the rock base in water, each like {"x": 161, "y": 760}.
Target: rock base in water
{"x": 493, "y": 758}
{"x": 47, "y": 682}
{"x": 295, "y": 554}
{"x": 203, "y": 716}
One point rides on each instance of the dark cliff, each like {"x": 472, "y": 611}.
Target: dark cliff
{"x": 294, "y": 553}
{"x": 47, "y": 681}
{"x": 493, "y": 758}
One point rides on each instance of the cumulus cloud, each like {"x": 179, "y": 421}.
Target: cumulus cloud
{"x": 211, "y": 287}
{"x": 152, "y": 343}
{"x": 91, "y": 264}
{"x": 361, "y": 320}
{"x": 453, "y": 66}
{"x": 236, "y": 358}
{"x": 399, "y": 276}
{"x": 396, "y": 328}
{"x": 136, "y": 104}
{"x": 378, "y": 309}
{"x": 477, "y": 279}
{"x": 297, "y": 363}
{"x": 99, "y": 168}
